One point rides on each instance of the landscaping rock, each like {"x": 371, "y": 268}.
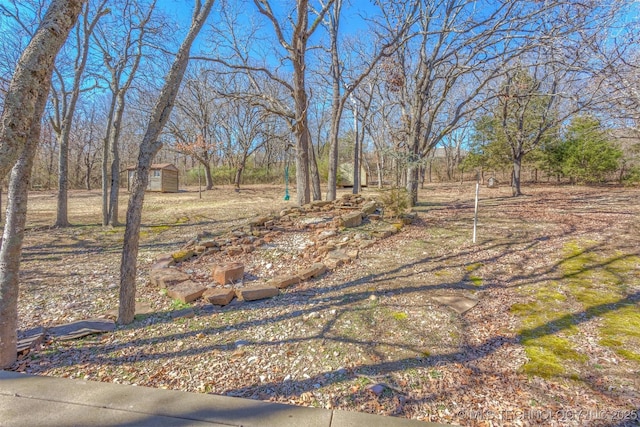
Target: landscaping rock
{"x": 352, "y": 219}
{"x": 209, "y": 243}
{"x": 315, "y": 270}
{"x": 336, "y": 258}
{"x": 369, "y": 208}
{"x": 260, "y": 221}
{"x": 141, "y": 308}
{"x": 283, "y": 281}
{"x": 164, "y": 257}
{"x": 256, "y": 292}
{"x": 165, "y": 263}
{"x": 228, "y": 273}
{"x": 186, "y": 291}
{"x": 166, "y": 277}
{"x": 81, "y": 328}
{"x": 234, "y": 250}
{"x": 182, "y": 255}
{"x": 218, "y": 296}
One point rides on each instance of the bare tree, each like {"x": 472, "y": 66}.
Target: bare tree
{"x": 65, "y": 100}
{"x": 19, "y": 134}
{"x": 148, "y": 148}
{"x": 197, "y": 120}
{"x": 396, "y": 20}
{"x": 295, "y": 45}
{"x": 121, "y": 53}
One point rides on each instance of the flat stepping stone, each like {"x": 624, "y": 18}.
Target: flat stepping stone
{"x": 81, "y": 328}
{"x": 458, "y": 303}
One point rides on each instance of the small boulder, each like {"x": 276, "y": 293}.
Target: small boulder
{"x": 369, "y": 208}
{"x": 228, "y": 273}
{"x": 259, "y": 222}
{"x": 352, "y": 219}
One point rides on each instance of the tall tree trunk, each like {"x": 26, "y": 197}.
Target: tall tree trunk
{"x": 62, "y": 212}
{"x": 12, "y": 248}
{"x": 64, "y": 129}
{"x": 149, "y": 146}
{"x": 207, "y": 175}
{"x": 314, "y": 172}
{"x": 114, "y": 144}
{"x": 303, "y": 191}
{"x": 33, "y": 72}
{"x": 238, "y": 175}
{"x": 515, "y": 181}
{"x": 104, "y": 165}
{"x": 337, "y": 104}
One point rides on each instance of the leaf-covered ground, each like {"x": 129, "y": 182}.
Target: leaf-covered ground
{"x": 554, "y": 339}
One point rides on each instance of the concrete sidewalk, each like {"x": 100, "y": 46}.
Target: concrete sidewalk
{"x": 27, "y": 400}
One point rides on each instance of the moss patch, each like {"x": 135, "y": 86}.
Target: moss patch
{"x": 477, "y": 281}
{"x": 596, "y": 285}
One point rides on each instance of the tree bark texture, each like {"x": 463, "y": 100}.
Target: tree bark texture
{"x": 148, "y": 149}
{"x": 19, "y": 136}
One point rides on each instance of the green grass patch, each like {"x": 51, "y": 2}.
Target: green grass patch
{"x": 399, "y": 316}
{"x": 473, "y": 267}
{"x": 179, "y": 305}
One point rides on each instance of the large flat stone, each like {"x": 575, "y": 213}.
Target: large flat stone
{"x": 217, "y": 296}
{"x": 81, "y": 328}
{"x": 186, "y": 291}
{"x": 458, "y": 303}
{"x": 227, "y": 273}
{"x": 336, "y": 258}
{"x": 257, "y": 292}
{"x": 369, "y": 208}
{"x": 165, "y": 277}
{"x": 352, "y": 219}
{"x": 315, "y": 270}
{"x": 284, "y": 281}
